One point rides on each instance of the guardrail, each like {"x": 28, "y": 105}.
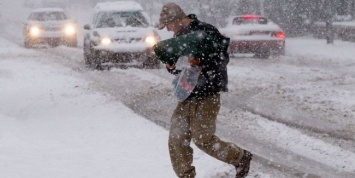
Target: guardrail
{"x": 342, "y": 30}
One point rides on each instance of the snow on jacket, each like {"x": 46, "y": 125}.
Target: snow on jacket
{"x": 213, "y": 77}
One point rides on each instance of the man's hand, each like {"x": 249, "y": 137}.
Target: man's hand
{"x": 194, "y": 61}
{"x": 171, "y": 67}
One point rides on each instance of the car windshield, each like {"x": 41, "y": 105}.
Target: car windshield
{"x": 249, "y": 20}
{"x": 48, "y": 16}
{"x": 120, "y": 19}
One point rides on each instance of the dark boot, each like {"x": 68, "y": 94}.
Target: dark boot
{"x": 244, "y": 165}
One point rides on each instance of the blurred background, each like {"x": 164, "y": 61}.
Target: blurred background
{"x": 296, "y": 17}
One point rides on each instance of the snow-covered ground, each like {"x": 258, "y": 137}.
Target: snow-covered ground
{"x": 52, "y": 124}
{"x": 53, "y": 120}
{"x": 296, "y": 112}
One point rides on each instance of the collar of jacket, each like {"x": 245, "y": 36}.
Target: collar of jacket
{"x": 192, "y": 16}
{"x": 190, "y": 27}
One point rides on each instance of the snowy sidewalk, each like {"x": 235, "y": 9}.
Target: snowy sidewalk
{"x": 53, "y": 125}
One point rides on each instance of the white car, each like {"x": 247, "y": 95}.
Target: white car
{"x": 254, "y": 34}
{"x": 50, "y": 26}
{"x": 121, "y": 32}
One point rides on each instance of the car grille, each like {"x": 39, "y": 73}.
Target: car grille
{"x": 128, "y": 40}
{"x": 52, "y": 28}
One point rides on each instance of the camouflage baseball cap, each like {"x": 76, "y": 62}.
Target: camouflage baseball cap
{"x": 170, "y": 13}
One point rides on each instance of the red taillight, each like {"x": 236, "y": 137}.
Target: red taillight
{"x": 251, "y": 17}
{"x": 281, "y": 35}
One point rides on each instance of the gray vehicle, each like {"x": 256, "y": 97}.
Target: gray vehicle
{"x": 255, "y": 34}
{"x": 50, "y": 26}
{"x": 120, "y": 33}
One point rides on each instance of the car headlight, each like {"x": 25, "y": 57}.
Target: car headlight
{"x": 35, "y": 31}
{"x": 106, "y": 41}
{"x": 151, "y": 40}
{"x": 69, "y": 30}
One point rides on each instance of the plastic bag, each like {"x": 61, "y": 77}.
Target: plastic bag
{"x": 185, "y": 82}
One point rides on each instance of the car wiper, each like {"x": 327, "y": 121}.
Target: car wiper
{"x": 139, "y": 20}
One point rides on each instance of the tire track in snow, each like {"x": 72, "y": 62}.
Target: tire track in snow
{"x": 144, "y": 102}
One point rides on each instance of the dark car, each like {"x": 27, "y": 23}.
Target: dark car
{"x": 50, "y": 26}
{"x": 255, "y": 34}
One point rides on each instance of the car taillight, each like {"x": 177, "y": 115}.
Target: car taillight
{"x": 251, "y": 17}
{"x": 281, "y": 35}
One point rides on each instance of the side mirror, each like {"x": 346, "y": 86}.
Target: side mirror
{"x": 87, "y": 27}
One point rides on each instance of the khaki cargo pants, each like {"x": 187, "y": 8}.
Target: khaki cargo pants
{"x": 196, "y": 119}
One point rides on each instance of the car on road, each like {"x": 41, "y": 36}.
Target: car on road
{"x": 120, "y": 33}
{"x": 50, "y": 26}
{"x": 255, "y": 34}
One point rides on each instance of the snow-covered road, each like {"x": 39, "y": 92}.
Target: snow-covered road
{"x": 295, "y": 112}
{"x": 148, "y": 92}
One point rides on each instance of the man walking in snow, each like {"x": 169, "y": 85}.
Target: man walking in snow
{"x": 195, "y": 117}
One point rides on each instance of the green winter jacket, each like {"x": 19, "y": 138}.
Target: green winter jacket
{"x": 204, "y": 42}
